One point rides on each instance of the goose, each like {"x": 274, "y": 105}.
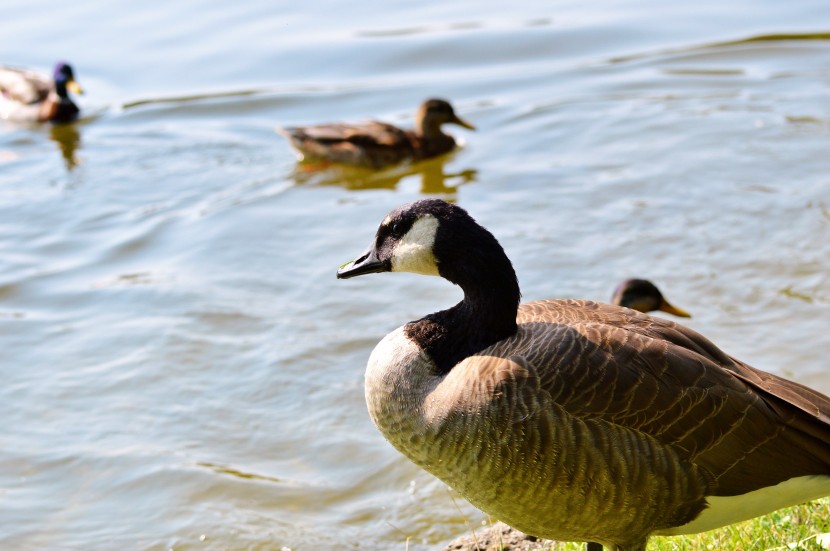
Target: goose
{"x": 29, "y": 96}
{"x": 644, "y": 296}
{"x": 575, "y": 420}
{"x": 376, "y": 144}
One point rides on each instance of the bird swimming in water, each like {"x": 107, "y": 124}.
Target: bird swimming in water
{"x": 644, "y": 296}
{"x": 376, "y": 144}
{"x": 29, "y": 96}
{"x": 576, "y": 420}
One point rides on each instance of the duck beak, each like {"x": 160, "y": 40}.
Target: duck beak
{"x": 461, "y": 122}
{"x": 367, "y": 263}
{"x": 666, "y": 307}
{"x": 74, "y": 87}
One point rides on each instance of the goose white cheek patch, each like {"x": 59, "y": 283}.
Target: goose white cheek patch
{"x": 413, "y": 253}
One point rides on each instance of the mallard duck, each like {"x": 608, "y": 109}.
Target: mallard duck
{"x": 644, "y": 296}
{"x": 576, "y": 420}
{"x": 378, "y": 144}
{"x": 29, "y": 96}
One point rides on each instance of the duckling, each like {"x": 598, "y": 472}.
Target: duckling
{"x": 575, "y": 420}
{"x": 377, "y": 144}
{"x": 644, "y": 296}
{"x": 29, "y": 96}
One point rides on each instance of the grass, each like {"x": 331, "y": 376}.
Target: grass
{"x": 794, "y": 528}
{"x": 805, "y": 527}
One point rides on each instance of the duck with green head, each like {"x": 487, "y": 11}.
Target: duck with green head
{"x": 32, "y": 97}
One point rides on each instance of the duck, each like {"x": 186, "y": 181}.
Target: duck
{"x": 374, "y": 144}
{"x": 576, "y": 420}
{"x": 30, "y": 96}
{"x": 644, "y": 296}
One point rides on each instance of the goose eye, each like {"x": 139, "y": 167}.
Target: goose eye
{"x": 396, "y": 229}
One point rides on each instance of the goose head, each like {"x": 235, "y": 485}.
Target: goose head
{"x": 432, "y": 114}
{"x": 433, "y": 237}
{"x": 644, "y": 296}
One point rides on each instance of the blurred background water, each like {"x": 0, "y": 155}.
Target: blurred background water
{"x": 181, "y": 370}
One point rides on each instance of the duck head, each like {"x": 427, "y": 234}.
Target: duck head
{"x": 64, "y": 78}
{"x": 435, "y": 112}
{"x": 644, "y": 296}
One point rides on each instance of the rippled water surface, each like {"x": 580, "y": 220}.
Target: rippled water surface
{"x": 180, "y": 368}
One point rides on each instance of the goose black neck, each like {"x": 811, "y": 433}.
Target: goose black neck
{"x": 486, "y": 315}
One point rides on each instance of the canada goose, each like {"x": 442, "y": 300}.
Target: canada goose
{"x": 575, "y": 420}
{"x": 644, "y": 296}
{"x": 377, "y": 144}
{"x": 28, "y": 96}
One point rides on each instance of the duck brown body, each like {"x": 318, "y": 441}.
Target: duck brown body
{"x": 376, "y": 144}
{"x": 30, "y": 96}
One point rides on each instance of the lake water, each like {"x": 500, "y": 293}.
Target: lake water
{"x": 180, "y": 368}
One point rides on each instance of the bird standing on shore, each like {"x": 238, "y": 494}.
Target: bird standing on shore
{"x": 575, "y": 420}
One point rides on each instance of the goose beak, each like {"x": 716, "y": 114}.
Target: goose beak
{"x": 666, "y": 307}
{"x": 74, "y": 87}
{"x": 367, "y": 263}
{"x": 461, "y": 122}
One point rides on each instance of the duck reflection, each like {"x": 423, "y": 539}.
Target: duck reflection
{"x": 68, "y": 138}
{"x": 434, "y": 180}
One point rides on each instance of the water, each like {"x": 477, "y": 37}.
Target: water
{"x": 181, "y": 369}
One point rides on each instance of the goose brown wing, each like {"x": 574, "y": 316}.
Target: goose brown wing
{"x": 748, "y": 428}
